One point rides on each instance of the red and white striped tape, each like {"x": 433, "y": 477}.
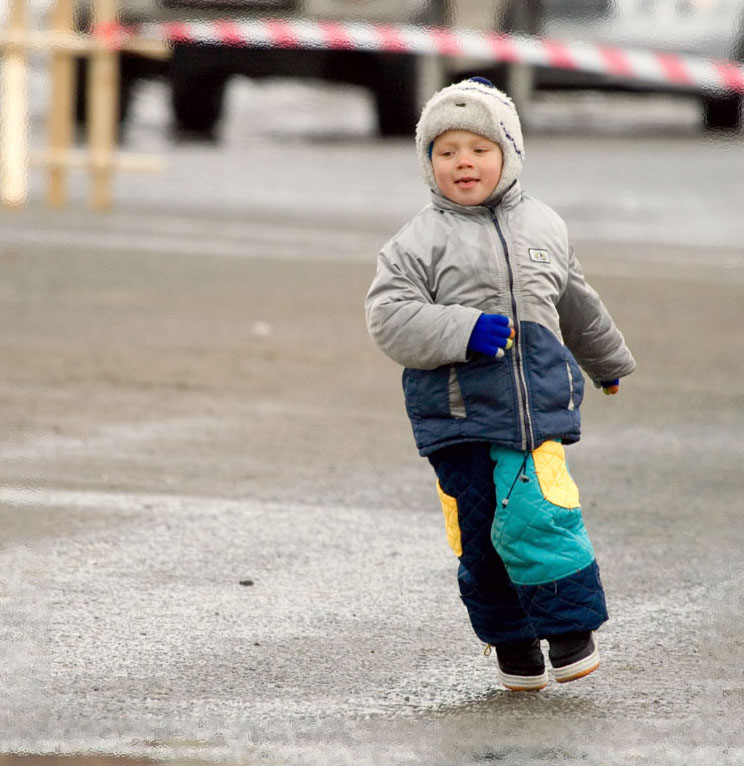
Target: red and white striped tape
{"x": 670, "y": 69}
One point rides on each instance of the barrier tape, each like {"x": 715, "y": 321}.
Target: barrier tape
{"x": 670, "y": 69}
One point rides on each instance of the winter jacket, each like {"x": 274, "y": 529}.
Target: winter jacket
{"x": 449, "y": 264}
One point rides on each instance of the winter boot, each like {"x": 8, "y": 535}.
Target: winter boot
{"x": 573, "y": 655}
{"x": 522, "y": 666}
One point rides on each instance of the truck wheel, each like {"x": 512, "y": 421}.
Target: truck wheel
{"x": 197, "y": 105}
{"x": 722, "y": 113}
{"x": 395, "y": 93}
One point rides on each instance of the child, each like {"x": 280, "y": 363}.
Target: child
{"x": 481, "y": 298}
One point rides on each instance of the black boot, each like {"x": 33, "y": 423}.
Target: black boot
{"x": 522, "y": 666}
{"x": 573, "y": 655}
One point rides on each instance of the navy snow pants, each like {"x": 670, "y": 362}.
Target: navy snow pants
{"x": 500, "y": 610}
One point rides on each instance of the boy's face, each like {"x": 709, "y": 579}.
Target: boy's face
{"x": 466, "y": 166}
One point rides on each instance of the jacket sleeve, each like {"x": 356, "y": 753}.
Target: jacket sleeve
{"x": 404, "y": 320}
{"x": 589, "y": 331}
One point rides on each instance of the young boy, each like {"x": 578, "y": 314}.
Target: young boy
{"x": 482, "y": 300}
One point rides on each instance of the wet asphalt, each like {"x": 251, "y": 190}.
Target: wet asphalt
{"x": 219, "y": 544}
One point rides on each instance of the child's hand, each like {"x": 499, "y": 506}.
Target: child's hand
{"x": 492, "y": 334}
{"x": 610, "y": 387}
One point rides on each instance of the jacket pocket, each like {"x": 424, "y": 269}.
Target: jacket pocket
{"x": 456, "y": 401}
{"x": 576, "y": 380}
{"x": 433, "y": 393}
{"x": 571, "y": 403}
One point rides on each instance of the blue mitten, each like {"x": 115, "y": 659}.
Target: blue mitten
{"x": 610, "y": 387}
{"x": 492, "y": 334}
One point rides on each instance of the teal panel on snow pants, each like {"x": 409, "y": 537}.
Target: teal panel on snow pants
{"x": 540, "y": 541}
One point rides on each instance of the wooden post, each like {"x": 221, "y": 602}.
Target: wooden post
{"x": 62, "y": 107}
{"x": 14, "y": 112}
{"x": 101, "y": 157}
{"x": 103, "y": 107}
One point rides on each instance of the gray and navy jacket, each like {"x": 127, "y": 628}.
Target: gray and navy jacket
{"x": 451, "y": 263}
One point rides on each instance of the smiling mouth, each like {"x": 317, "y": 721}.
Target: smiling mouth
{"x": 468, "y": 180}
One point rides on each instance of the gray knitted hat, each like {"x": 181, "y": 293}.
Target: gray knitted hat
{"x": 479, "y": 107}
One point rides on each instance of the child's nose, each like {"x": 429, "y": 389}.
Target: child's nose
{"x": 464, "y": 160}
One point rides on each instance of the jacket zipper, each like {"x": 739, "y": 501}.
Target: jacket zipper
{"x": 528, "y": 439}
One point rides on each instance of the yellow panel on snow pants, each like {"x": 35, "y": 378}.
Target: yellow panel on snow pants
{"x": 451, "y": 520}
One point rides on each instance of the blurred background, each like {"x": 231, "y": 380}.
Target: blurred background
{"x": 198, "y": 78}
{"x": 217, "y": 540}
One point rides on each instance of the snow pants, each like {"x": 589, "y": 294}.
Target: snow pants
{"x": 527, "y": 568}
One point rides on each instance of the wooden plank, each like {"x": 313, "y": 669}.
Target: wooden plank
{"x": 103, "y": 108}
{"x": 81, "y": 159}
{"x": 14, "y": 114}
{"x": 80, "y": 44}
{"x": 61, "y": 113}
{"x": 102, "y": 159}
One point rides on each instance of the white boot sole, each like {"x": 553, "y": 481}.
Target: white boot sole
{"x": 523, "y": 683}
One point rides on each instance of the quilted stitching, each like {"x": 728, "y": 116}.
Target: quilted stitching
{"x": 574, "y": 603}
{"x": 451, "y": 520}
{"x": 499, "y": 610}
{"x": 555, "y": 481}
{"x": 539, "y": 541}
{"x": 465, "y": 472}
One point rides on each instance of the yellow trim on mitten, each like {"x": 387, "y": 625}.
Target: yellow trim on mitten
{"x": 555, "y": 481}
{"x": 451, "y": 520}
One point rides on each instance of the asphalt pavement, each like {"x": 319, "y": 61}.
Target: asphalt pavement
{"x": 219, "y": 545}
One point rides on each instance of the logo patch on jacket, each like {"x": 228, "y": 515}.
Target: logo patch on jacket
{"x": 539, "y": 256}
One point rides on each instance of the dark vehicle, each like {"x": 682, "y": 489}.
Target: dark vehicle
{"x": 708, "y": 28}
{"x": 198, "y": 73}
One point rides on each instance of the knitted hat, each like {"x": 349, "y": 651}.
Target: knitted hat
{"x": 474, "y": 105}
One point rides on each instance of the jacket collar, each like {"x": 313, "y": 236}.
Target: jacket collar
{"x": 505, "y": 200}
